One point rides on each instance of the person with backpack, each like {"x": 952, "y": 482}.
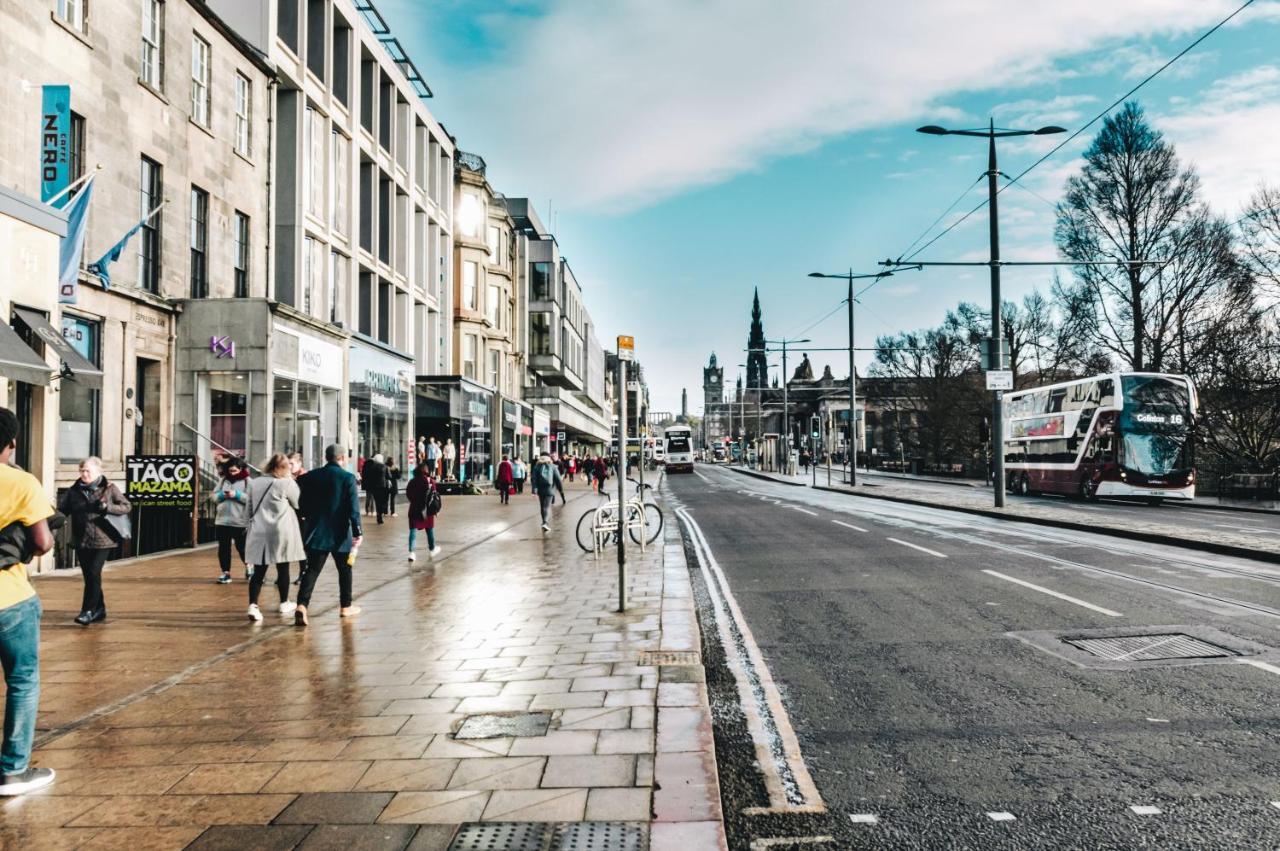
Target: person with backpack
{"x": 424, "y": 504}
{"x": 274, "y": 534}
{"x": 546, "y": 481}
{"x": 88, "y": 503}
{"x": 231, "y": 520}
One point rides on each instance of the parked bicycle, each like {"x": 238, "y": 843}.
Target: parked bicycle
{"x": 598, "y": 527}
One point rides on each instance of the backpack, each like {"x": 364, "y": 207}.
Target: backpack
{"x": 434, "y": 502}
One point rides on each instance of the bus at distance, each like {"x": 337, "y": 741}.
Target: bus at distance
{"x": 678, "y": 448}
{"x": 1124, "y": 434}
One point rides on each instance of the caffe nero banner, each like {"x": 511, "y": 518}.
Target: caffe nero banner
{"x": 161, "y": 481}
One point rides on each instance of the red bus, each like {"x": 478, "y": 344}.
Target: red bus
{"x": 1125, "y": 434}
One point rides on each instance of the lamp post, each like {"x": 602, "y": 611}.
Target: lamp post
{"x": 852, "y": 451}
{"x": 759, "y": 413}
{"x": 996, "y": 347}
{"x": 786, "y": 407}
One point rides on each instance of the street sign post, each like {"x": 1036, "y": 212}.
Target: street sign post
{"x": 626, "y": 347}
{"x": 999, "y": 379}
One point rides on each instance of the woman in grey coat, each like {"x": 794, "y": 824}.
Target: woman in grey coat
{"x": 274, "y": 536}
{"x": 230, "y": 517}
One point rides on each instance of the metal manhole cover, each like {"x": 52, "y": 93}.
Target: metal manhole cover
{"x": 493, "y": 726}
{"x": 503, "y": 836}
{"x": 669, "y": 657}
{"x": 1150, "y": 648}
{"x": 600, "y": 836}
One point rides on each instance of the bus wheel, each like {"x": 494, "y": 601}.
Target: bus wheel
{"x": 1155, "y": 501}
{"x": 1087, "y": 491}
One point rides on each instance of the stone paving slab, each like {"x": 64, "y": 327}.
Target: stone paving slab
{"x": 179, "y": 723}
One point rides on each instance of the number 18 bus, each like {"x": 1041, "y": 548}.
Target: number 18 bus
{"x": 1125, "y": 434}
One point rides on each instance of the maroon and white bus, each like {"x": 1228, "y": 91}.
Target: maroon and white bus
{"x": 1124, "y": 434}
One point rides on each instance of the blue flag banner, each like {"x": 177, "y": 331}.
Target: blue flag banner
{"x": 101, "y": 266}
{"x": 72, "y": 247}
{"x": 55, "y": 142}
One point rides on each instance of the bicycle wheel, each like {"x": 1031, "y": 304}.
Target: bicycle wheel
{"x": 584, "y": 532}
{"x": 652, "y": 525}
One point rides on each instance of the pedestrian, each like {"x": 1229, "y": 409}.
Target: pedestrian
{"x": 601, "y": 471}
{"x": 374, "y": 478}
{"x": 422, "y": 448}
{"x": 297, "y": 467}
{"x": 394, "y": 474}
{"x": 231, "y": 518}
{"x": 519, "y": 472}
{"x": 546, "y": 481}
{"x": 424, "y": 504}
{"x": 572, "y": 465}
{"x": 505, "y": 480}
{"x": 24, "y": 529}
{"x": 87, "y": 503}
{"x": 331, "y": 505}
{"x": 449, "y": 454}
{"x": 274, "y": 535}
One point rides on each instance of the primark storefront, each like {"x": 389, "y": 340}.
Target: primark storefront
{"x": 380, "y": 383}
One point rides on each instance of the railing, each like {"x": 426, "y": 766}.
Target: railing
{"x": 471, "y": 162}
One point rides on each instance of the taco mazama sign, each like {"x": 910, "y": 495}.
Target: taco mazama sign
{"x": 161, "y": 481}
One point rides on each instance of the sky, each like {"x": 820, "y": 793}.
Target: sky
{"x": 686, "y": 152}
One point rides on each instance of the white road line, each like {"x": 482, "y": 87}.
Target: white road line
{"x": 1001, "y": 816}
{"x": 1266, "y": 666}
{"x": 848, "y": 526}
{"x": 918, "y": 547}
{"x": 864, "y": 818}
{"x": 1145, "y": 810}
{"x": 805, "y": 510}
{"x": 1053, "y": 593}
{"x": 1276, "y": 804}
{"x": 700, "y": 476}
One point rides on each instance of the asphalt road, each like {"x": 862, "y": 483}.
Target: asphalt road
{"x": 886, "y": 629}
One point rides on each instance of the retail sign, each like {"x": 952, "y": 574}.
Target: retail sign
{"x": 626, "y": 347}
{"x": 559, "y": 437}
{"x": 161, "y": 481}
{"x": 319, "y": 362}
{"x": 55, "y": 142}
{"x": 222, "y": 347}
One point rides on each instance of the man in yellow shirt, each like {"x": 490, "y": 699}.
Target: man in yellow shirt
{"x": 24, "y": 515}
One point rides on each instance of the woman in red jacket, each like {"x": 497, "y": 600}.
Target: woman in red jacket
{"x": 424, "y": 505}
{"x": 505, "y": 479}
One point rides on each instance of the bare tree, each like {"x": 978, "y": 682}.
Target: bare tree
{"x": 1260, "y": 239}
{"x": 1240, "y": 403}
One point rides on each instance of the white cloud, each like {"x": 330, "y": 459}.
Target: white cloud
{"x": 615, "y": 105}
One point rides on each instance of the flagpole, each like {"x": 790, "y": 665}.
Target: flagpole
{"x": 83, "y": 179}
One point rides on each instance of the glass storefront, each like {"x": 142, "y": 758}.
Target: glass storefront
{"x": 474, "y": 434}
{"x": 228, "y": 411}
{"x": 379, "y": 403}
{"x": 305, "y": 419}
{"x": 77, "y": 404}
{"x": 510, "y": 428}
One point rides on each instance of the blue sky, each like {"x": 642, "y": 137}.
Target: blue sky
{"x": 691, "y": 150}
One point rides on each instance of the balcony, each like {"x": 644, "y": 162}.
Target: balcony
{"x": 471, "y": 162}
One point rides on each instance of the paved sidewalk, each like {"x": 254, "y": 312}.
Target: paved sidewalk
{"x": 179, "y": 723}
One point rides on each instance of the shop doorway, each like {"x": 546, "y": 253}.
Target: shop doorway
{"x": 147, "y": 439}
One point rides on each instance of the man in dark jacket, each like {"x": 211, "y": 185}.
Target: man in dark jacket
{"x": 374, "y": 478}
{"x": 331, "y": 505}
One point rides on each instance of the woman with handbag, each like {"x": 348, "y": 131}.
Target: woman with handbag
{"x": 424, "y": 505}
{"x": 99, "y": 516}
{"x": 231, "y": 518}
{"x": 274, "y": 536}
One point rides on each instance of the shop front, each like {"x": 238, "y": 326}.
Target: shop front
{"x": 306, "y": 390}
{"x": 379, "y": 408}
{"x": 464, "y": 417}
{"x": 541, "y": 431}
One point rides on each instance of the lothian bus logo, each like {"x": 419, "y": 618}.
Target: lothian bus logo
{"x": 223, "y": 347}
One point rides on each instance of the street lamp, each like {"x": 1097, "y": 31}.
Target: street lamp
{"x": 995, "y": 355}
{"x": 786, "y": 407}
{"x": 759, "y": 390}
{"x": 853, "y": 392}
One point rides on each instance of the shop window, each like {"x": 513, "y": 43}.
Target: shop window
{"x": 283, "y": 432}
{"x": 78, "y": 406}
{"x": 229, "y": 412}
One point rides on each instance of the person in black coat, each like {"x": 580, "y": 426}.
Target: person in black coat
{"x": 87, "y": 503}
{"x": 330, "y": 504}
{"x": 374, "y": 479}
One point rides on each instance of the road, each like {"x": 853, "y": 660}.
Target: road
{"x": 880, "y": 635}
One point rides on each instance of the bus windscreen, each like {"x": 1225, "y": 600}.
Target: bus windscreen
{"x": 1155, "y": 424}
{"x": 678, "y": 444}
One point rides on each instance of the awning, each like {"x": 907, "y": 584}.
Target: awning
{"x": 79, "y": 368}
{"x": 18, "y": 362}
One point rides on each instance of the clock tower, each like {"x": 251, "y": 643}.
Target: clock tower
{"x": 713, "y": 401}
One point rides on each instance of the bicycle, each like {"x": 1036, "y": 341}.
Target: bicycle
{"x": 598, "y": 527}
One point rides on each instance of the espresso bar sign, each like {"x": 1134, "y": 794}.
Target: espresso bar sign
{"x": 161, "y": 481}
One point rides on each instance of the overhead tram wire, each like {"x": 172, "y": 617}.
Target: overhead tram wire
{"x": 905, "y": 260}
{"x": 945, "y": 212}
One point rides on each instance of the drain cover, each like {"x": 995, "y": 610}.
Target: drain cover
{"x": 600, "y": 836}
{"x": 493, "y": 726}
{"x": 503, "y": 836}
{"x": 668, "y": 657}
{"x": 551, "y": 836}
{"x": 1149, "y": 648}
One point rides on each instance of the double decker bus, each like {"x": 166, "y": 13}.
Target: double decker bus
{"x": 678, "y": 448}
{"x": 1124, "y": 434}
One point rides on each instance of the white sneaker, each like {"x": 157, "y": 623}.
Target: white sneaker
{"x": 287, "y": 607}
{"x": 435, "y": 551}
{"x": 413, "y": 557}
{"x": 546, "y": 528}
{"x": 255, "y": 614}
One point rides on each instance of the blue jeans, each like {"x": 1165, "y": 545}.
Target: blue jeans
{"x": 431, "y": 538}
{"x": 20, "y": 654}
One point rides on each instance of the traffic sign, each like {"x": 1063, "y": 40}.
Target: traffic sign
{"x": 633, "y": 386}
{"x": 1000, "y": 379}
{"x": 626, "y": 347}
{"x": 559, "y": 437}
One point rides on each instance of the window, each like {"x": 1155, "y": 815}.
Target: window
{"x": 151, "y": 190}
{"x": 495, "y": 367}
{"x": 199, "y": 81}
{"x": 540, "y": 281}
{"x": 312, "y": 268}
{"x": 153, "y": 44}
{"x": 316, "y": 30}
{"x": 337, "y": 286}
{"x": 494, "y": 239}
{"x": 76, "y": 154}
{"x": 199, "y": 243}
{"x": 341, "y": 189}
{"x": 341, "y": 59}
{"x": 77, "y": 404}
{"x": 287, "y": 20}
{"x": 540, "y": 333}
{"x": 244, "y": 111}
{"x": 315, "y": 136}
{"x": 492, "y": 304}
{"x": 386, "y": 95}
{"x": 385, "y": 190}
{"x": 469, "y": 272}
{"x": 241, "y": 258}
{"x": 72, "y": 13}
{"x": 469, "y": 356}
{"x": 366, "y": 304}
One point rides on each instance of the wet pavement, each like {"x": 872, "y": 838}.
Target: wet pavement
{"x": 178, "y": 722}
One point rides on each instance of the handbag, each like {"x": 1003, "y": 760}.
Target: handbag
{"x": 118, "y": 527}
